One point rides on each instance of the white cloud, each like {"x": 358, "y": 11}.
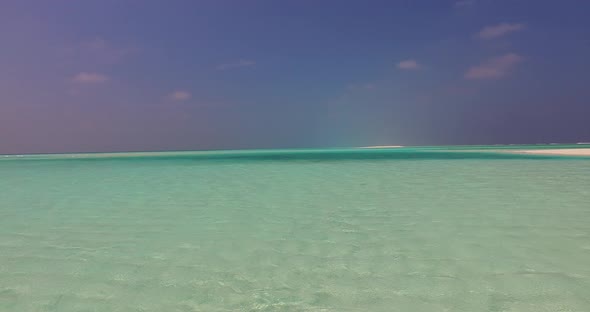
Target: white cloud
{"x": 240, "y": 63}
{"x": 179, "y": 95}
{"x": 89, "y": 78}
{"x": 496, "y": 67}
{"x": 408, "y": 65}
{"x": 499, "y": 30}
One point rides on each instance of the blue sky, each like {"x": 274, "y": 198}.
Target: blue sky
{"x": 82, "y": 76}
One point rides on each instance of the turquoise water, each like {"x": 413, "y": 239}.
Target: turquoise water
{"x": 326, "y": 230}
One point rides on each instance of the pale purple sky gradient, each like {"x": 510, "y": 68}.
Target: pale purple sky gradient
{"x": 87, "y": 76}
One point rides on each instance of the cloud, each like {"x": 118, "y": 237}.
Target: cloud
{"x": 491, "y": 32}
{"x": 496, "y": 67}
{"x": 463, "y": 3}
{"x": 408, "y": 65}
{"x": 90, "y": 78}
{"x": 240, "y": 63}
{"x": 179, "y": 95}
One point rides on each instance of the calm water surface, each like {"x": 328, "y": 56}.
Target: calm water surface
{"x": 407, "y": 230}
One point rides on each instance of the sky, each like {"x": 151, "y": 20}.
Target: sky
{"x": 139, "y": 75}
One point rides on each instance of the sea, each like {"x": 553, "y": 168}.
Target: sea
{"x": 479, "y": 228}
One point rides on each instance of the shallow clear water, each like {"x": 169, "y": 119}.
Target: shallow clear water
{"x": 384, "y": 231}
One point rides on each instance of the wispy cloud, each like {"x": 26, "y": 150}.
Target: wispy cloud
{"x": 463, "y": 3}
{"x": 90, "y": 78}
{"x": 240, "y": 63}
{"x": 408, "y": 65}
{"x": 495, "y": 31}
{"x": 496, "y": 67}
{"x": 180, "y": 95}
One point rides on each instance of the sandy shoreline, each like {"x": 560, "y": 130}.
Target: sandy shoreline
{"x": 563, "y": 151}
{"x": 383, "y": 146}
